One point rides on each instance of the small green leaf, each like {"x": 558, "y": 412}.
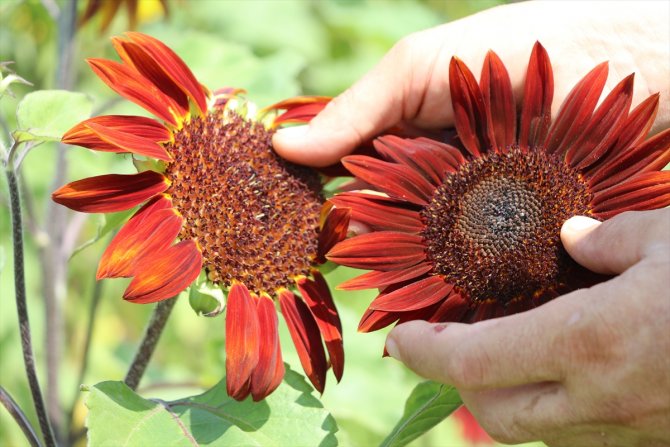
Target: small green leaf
{"x": 107, "y": 223}
{"x": 46, "y": 115}
{"x": 206, "y": 299}
{"x": 428, "y": 404}
{"x": 289, "y": 416}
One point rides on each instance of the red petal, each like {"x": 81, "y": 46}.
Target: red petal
{"x": 383, "y": 250}
{"x": 414, "y": 296}
{"x": 134, "y": 87}
{"x": 133, "y": 144}
{"x": 299, "y": 110}
{"x": 470, "y": 115}
{"x": 334, "y": 230}
{"x": 243, "y": 333}
{"x": 139, "y": 126}
{"x": 603, "y": 129}
{"x": 646, "y": 191}
{"x": 174, "y": 67}
{"x": 378, "y": 212}
{"x": 373, "y": 320}
{"x": 269, "y": 371}
{"x": 499, "y": 102}
{"x": 537, "y": 97}
{"x": 306, "y": 338}
{"x": 637, "y": 125}
{"x": 451, "y": 309}
{"x": 375, "y": 279}
{"x": 146, "y": 233}
{"x": 320, "y": 302}
{"x": 576, "y": 110}
{"x": 447, "y": 152}
{"x": 417, "y": 155}
{"x": 110, "y": 193}
{"x": 165, "y": 274}
{"x": 394, "y": 179}
{"x": 652, "y": 155}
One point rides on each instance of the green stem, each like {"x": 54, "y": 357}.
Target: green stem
{"x": 22, "y": 307}
{"x": 15, "y": 411}
{"x": 152, "y": 334}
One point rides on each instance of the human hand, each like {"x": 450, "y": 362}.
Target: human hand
{"x": 589, "y": 368}
{"x": 410, "y": 84}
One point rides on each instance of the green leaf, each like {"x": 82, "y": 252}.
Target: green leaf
{"x": 289, "y": 416}
{"x": 46, "y": 115}
{"x": 428, "y": 404}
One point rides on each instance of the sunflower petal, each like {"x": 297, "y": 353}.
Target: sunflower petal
{"x": 133, "y": 144}
{"x": 413, "y": 296}
{"x": 448, "y": 153}
{"x": 131, "y": 85}
{"x": 317, "y": 296}
{"x": 637, "y": 125}
{"x": 110, "y": 193}
{"x": 165, "y": 274}
{"x": 473, "y": 124}
{"x": 537, "y": 98}
{"x": 645, "y": 191}
{"x": 140, "y": 126}
{"x": 394, "y": 179}
{"x": 378, "y": 212}
{"x": 451, "y": 309}
{"x": 299, "y": 110}
{"x": 243, "y": 335}
{"x": 651, "y": 155}
{"x": 576, "y": 110}
{"x": 173, "y": 67}
{"x": 499, "y": 102}
{"x": 604, "y": 127}
{"x": 375, "y": 279}
{"x": 145, "y": 234}
{"x": 334, "y": 230}
{"x": 269, "y": 371}
{"x": 383, "y": 250}
{"x": 306, "y": 338}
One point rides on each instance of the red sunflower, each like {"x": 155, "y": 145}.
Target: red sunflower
{"x": 473, "y": 232}
{"x": 250, "y": 219}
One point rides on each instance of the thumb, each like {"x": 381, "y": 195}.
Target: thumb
{"x": 615, "y": 245}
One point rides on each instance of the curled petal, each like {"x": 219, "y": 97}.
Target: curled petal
{"x": 471, "y": 119}
{"x": 130, "y": 143}
{"x": 242, "y": 341}
{"x": 131, "y": 85}
{"x": 306, "y": 338}
{"x": 169, "y": 66}
{"x": 496, "y": 88}
{"x": 299, "y": 110}
{"x": 537, "y": 98}
{"x": 394, "y": 179}
{"x": 375, "y": 279}
{"x": 576, "y": 110}
{"x": 414, "y": 296}
{"x": 604, "y": 128}
{"x": 140, "y": 126}
{"x": 165, "y": 274}
{"x": 451, "y": 309}
{"x": 317, "y": 296}
{"x": 110, "y": 193}
{"x": 334, "y": 230}
{"x": 379, "y": 212}
{"x": 269, "y": 371}
{"x": 145, "y": 234}
{"x": 383, "y": 250}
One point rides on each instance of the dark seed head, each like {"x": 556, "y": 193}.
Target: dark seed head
{"x": 493, "y": 227}
{"x": 255, "y": 216}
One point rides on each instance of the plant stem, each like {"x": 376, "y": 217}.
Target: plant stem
{"x": 22, "y": 307}
{"x": 151, "y": 335}
{"x": 20, "y": 418}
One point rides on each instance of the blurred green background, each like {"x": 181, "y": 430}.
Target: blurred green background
{"x": 274, "y": 49}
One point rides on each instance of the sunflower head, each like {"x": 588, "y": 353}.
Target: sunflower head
{"x": 471, "y": 231}
{"x": 214, "y": 196}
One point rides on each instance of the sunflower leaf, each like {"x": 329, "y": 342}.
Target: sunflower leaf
{"x": 289, "y": 416}
{"x": 46, "y": 115}
{"x": 428, "y": 404}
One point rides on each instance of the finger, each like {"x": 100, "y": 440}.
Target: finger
{"x": 504, "y": 352}
{"x": 521, "y": 414}
{"x": 618, "y": 243}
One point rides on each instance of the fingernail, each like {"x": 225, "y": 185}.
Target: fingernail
{"x": 392, "y": 348}
{"x": 580, "y": 223}
{"x": 293, "y": 132}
